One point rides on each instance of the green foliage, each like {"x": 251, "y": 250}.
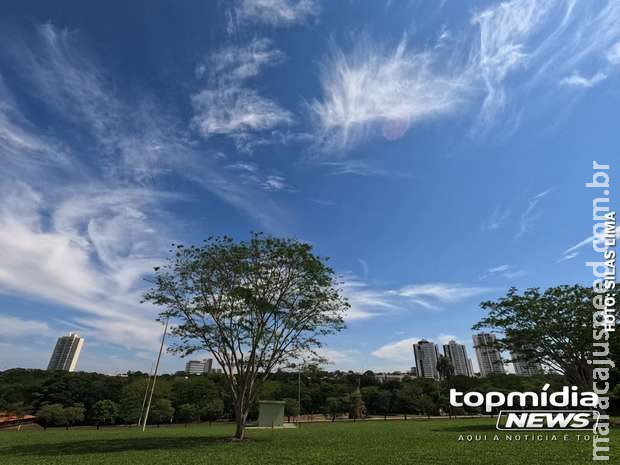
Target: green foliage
{"x": 74, "y": 414}
{"x": 104, "y": 412}
{"x": 187, "y": 413}
{"x": 212, "y": 411}
{"x": 52, "y": 415}
{"x": 553, "y": 328}
{"x": 161, "y": 411}
{"x": 333, "y": 407}
{"x": 445, "y": 368}
{"x": 291, "y": 407}
{"x": 253, "y": 305}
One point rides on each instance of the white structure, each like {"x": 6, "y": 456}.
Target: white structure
{"x": 426, "y": 356}
{"x": 524, "y": 368}
{"x": 489, "y": 358}
{"x": 199, "y": 367}
{"x": 66, "y": 353}
{"x": 457, "y": 354}
{"x": 385, "y": 377}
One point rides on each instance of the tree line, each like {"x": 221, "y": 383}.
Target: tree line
{"x": 70, "y": 399}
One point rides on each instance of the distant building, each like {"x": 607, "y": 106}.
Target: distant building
{"x": 457, "y": 354}
{"x": 426, "y": 356}
{"x": 524, "y": 368}
{"x": 66, "y": 353}
{"x": 385, "y": 377}
{"x": 489, "y": 358}
{"x": 199, "y": 367}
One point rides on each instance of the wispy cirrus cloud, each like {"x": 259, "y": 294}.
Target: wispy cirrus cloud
{"x": 497, "y": 220}
{"x": 272, "y": 12}
{"x": 368, "y": 300}
{"x": 577, "y": 80}
{"x": 12, "y": 327}
{"x": 504, "y": 271}
{"x": 82, "y": 222}
{"x": 530, "y": 215}
{"x": 574, "y": 251}
{"x": 371, "y": 88}
{"x": 227, "y": 106}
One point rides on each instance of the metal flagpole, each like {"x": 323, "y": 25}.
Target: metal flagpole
{"x": 161, "y": 347}
{"x": 146, "y": 394}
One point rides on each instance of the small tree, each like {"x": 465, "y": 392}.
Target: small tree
{"x": 425, "y": 405}
{"x": 553, "y": 328}
{"x": 104, "y": 412}
{"x": 291, "y": 408}
{"x": 253, "y": 305}
{"x": 383, "y": 403}
{"x": 212, "y": 411}
{"x": 51, "y": 415}
{"x": 188, "y": 413}
{"x": 405, "y": 398}
{"x": 74, "y": 414}
{"x": 162, "y": 411}
{"x": 333, "y": 406}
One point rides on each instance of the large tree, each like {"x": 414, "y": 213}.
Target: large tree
{"x": 553, "y": 328}
{"x": 255, "y": 305}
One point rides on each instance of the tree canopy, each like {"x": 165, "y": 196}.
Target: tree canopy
{"x": 254, "y": 305}
{"x": 552, "y": 327}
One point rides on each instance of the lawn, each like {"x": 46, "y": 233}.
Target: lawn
{"x": 371, "y": 442}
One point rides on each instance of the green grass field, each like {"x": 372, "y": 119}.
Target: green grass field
{"x": 371, "y": 442}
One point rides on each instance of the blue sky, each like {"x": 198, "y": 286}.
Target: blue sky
{"x": 436, "y": 151}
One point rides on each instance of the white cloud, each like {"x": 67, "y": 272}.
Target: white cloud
{"x": 11, "y": 326}
{"x": 505, "y": 271}
{"x": 88, "y": 252}
{"x": 368, "y": 301}
{"x": 275, "y": 12}
{"x": 436, "y": 294}
{"x": 399, "y": 351}
{"x": 529, "y": 216}
{"x": 497, "y": 219}
{"x": 510, "y": 50}
{"x": 371, "y": 88}
{"x": 573, "y": 251}
{"x": 613, "y": 54}
{"x": 352, "y": 167}
{"x": 228, "y": 106}
{"x": 577, "y": 80}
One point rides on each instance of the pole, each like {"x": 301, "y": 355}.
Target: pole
{"x": 299, "y": 394}
{"x": 146, "y": 393}
{"x": 161, "y": 347}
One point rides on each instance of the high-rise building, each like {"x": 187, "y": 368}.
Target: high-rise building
{"x": 66, "y": 353}
{"x": 426, "y": 356}
{"x": 457, "y": 354}
{"x": 489, "y": 358}
{"x": 524, "y": 368}
{"x": 199, "y": 367}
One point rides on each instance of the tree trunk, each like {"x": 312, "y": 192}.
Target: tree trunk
{"x": 240, "y": 429}
{"x": 241, "y": 416}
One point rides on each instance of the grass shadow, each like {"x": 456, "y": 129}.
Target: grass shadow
{"x": 104, "y": 446}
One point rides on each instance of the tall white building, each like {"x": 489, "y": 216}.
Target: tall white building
{"x": 199, "y": 367}
{"x": 66, "y": 353}
{"x": 457, "y": 354}
{"x": 426, "y": 356}
{"x": 489, "y": 358}
{"x": 524, "y": 368}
